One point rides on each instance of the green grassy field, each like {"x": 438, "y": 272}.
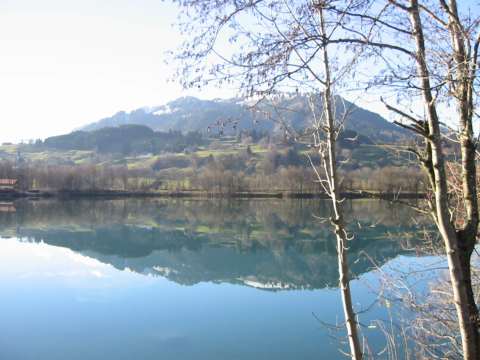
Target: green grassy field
{"x": 370, "y": 156}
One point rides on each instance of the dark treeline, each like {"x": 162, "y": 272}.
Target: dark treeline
{"x": 125, "y": 139}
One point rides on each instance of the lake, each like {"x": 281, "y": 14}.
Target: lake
{"x": 190, "y": 279}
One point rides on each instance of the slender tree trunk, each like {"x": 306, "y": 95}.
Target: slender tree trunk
{"x": 337, "y": 219}
{"x": 341, "y": 236}
{"x": 458, "y": 244}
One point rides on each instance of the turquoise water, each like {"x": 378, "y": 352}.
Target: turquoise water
{"x": 178, "y": 279}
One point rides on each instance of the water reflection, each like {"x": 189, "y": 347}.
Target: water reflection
{"x": 104, "y": 279}
{"x": 268, "y": 244}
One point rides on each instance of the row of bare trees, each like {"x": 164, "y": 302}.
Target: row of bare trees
{"x": 296, "y": 179}
{"x": 420, "y": 55}
{"x": 78, "y": 177}
{"x": 212, "y": 178}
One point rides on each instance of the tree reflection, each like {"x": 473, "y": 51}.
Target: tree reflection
{"x": 270, "y": 244}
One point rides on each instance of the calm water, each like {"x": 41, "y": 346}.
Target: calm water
{"x": 176, "y": 279}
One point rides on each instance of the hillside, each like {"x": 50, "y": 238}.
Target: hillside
{"x": 192, "y": 114}
{"x": 168, "y": 148}
{"x": 124, "y": 139}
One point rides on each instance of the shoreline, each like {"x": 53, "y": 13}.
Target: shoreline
{"x": 105, "y": 194}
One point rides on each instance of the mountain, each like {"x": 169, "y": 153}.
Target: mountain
{"x": 184, "y": 114}
{"x": 193, "y": 114}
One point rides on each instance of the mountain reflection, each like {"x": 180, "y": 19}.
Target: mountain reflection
{"x": 270, "y": 244}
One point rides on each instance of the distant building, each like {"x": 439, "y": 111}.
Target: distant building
{"x": 8, "y": 184}
{"x": 7, "y": 207}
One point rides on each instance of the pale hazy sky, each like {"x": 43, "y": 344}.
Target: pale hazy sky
{"x": 66, "y": 63}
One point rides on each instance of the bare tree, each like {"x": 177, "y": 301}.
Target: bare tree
{"x": 459, "y": 241}
{"x": 429, "y": 51}
{"x": 279, "y": 45}
{"x": 327, "y": 151}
